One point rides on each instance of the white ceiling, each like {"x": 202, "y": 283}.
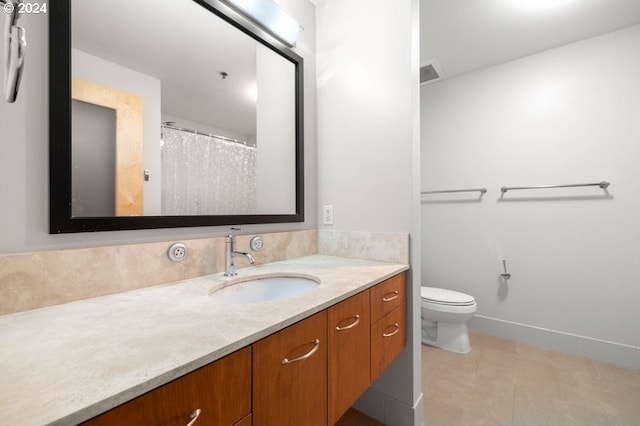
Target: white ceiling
{"x": 467, "y": 35}
{"x": 461, "y": 35}
{"x": 164, "y": 39}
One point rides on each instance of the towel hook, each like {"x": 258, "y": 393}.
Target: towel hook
{"x": 15, "y": 43}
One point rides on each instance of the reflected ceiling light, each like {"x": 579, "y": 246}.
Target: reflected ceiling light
{"x": 269, "y": 16}
{"x": 252, "y": 92}
{"x": 534, "y": 5}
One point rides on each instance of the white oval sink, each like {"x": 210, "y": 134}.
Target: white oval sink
{"x": 255, "y": 289}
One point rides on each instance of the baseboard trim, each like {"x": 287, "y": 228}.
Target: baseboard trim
{"x": 388, "y": 410}
{"x": 599, "y": 350}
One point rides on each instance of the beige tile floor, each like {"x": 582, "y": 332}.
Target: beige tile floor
{"x": 501, "y": 382}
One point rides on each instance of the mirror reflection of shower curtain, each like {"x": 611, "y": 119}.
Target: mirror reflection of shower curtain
{"x": 206, "y": 175}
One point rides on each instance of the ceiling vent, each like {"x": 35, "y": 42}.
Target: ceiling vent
{"x": 430, "y": 73}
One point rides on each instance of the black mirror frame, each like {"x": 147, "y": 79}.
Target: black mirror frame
{"x": 60, "y": 218}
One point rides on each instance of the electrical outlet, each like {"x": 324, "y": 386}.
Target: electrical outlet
{"x": 177, "y": 252}
{"x": 256, "y": 243}
{"x": 327, "y": 215}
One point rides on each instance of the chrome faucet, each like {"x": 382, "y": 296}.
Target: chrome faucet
{"x": 231, "y": 253}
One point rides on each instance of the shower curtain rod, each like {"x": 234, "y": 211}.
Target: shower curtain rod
{"x": 481, "y": 190}
{"x": 168, "y": 125}
{"x": 603, "y": 185}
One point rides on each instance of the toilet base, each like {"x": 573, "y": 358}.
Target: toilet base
{"x": 450, "y": 336}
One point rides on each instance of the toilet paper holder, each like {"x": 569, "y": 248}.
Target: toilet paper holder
{"x": 505, "y": 275}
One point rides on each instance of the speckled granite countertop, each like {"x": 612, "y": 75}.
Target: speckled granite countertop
{"x": 65, "y": 364}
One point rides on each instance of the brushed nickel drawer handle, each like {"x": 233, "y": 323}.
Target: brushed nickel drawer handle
{"x": 353, "y": 324}
{"x": 397, "y": 326}
{"x": 194, "y": 417}
{"x": 316, "y": 345}
{"x": 395, "y": 294}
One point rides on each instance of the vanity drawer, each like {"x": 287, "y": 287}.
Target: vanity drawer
{"x": 247, "y": 421}
{"x": 220, "y": 393}
{"x": 349, "y": 345}
{"x": 387, "y": 296}
{"x": 388, "y": 338}
{"x": 290, "y": 375}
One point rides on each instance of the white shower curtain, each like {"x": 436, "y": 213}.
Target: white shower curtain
{"x": 205, "y": 175}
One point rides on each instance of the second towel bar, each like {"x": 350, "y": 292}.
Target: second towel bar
{"x": 603, "y": 185}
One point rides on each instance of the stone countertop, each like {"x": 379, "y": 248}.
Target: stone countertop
{"x": 65, "y": 364}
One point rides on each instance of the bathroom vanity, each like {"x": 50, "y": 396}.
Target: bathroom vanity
{"x": 173, "y": 355}
{"x": 308, "y": 373}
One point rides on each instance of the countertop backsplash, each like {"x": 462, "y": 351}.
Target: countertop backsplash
{"x": 39, "y": 279}
{"x": 377, "y": 246}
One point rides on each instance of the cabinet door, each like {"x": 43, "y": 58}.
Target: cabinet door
{"x": 387, "y": 296}
{"x": 349, "y": 353}
{"x": 220, "y": 392}
{"x": 290, "y": 375}
{"x": 388, "y": 337}
{"x": 244, "y": 422}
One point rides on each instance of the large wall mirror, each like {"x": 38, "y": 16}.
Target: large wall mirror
{"x": 170, "y": 113}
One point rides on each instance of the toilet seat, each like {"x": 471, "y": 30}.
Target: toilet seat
{"x": 441, "y": 296}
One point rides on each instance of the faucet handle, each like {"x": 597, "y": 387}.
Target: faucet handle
{"x": 231, "y": 229}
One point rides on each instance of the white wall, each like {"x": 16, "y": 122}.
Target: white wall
{"x": 568, "y": 115}
{"x": 368, "y": 138}
{"x": 24, "y": 154}
{"x": 276, "y": 143}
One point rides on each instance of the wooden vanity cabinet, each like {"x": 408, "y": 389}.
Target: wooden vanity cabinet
{"x": 388, "y": 323}
{"x": 290, "y": 375}
{"x": 309, "y": 373}
{"x": 247, "y": 421}
{"x": 349, "y": 353}
{"x": 220, "y": 390}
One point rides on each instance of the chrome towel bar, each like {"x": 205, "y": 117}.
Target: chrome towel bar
{"x": 603, "y": 185}
{"x": 444, "y": 191}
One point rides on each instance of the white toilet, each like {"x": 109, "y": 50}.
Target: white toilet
{"x": 444, "y": 318}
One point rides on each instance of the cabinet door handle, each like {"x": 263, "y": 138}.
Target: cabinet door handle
{"x": 194, "y": 417}
{"x": 397, "y": 326}
{"x": 394, "y": 295}
{"x": 353, "y": 324}
{"x": 316, "y": 345}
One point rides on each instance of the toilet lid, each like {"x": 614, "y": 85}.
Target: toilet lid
{"x": 445, "y": 297}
